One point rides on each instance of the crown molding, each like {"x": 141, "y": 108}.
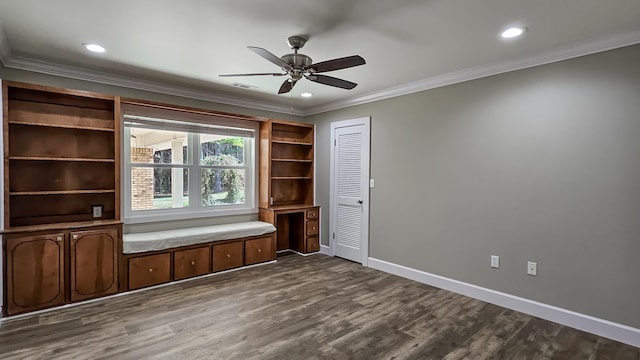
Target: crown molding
{"x": 555, "y": 55}
{"x": 5, "y": 49}
{"x": 50, "y": 68}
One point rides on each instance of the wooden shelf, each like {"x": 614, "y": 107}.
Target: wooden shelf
{"x": 63, "y": 156}
{"x": 291, "y": 142}
{"x": 291, "y": 178}
{"x": 43, "y": 158}
{"x": 62, "y": 126}
{"x": 60, "y": 192}
{"x": 293, "y": 160}
{"x": 289, "y": 207}
{"x": 61, "y": 226}
{"x": 286, "y": 163}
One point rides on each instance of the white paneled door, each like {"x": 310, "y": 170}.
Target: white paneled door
{"x": 350, "y": 189}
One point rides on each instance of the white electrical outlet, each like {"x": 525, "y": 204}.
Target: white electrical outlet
{"x": 495, "y": 261}
{"x": 532, "y": 268}
{"x": 97, "y": 211}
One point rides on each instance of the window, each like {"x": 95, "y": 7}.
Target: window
{"x": 176, "y": 168}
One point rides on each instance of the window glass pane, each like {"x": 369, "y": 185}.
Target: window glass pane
{"x": 222, "y": 187}
{"x": 221, "y": 150}
{"x": 159, "y": 188}
{"x": 158, "y": 146}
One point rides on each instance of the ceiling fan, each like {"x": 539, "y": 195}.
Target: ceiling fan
{"x": 296, "y": 66}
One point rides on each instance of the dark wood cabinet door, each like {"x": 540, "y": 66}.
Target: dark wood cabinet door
{"x": 35, "y": 272}
{"x": 94, "y": 263}
{"x": 313, "y": 244}
{"x": 227, "y": 256}
{"x": 258, "y": 250}
{"x": 190, "y": 263}
{"x": 149, "y": 270}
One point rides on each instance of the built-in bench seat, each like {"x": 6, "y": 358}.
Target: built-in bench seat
{"x": 158, "y": 257}
{"x": 167, "y": 239}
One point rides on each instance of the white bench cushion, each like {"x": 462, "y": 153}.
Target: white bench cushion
{"x": 160, "y": 240}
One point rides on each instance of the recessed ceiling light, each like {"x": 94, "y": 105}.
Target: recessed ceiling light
{"x": 306, "y": 95}
{"x": 94, "y": 48}
{"x": 513, "y": 32}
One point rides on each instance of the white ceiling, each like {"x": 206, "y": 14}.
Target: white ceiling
{"x": 181, "y": 47}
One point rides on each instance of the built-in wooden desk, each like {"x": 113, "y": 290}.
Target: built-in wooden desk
{"x": 298, "y": 227}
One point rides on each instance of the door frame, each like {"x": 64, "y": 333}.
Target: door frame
{"x": 366, "y": 135}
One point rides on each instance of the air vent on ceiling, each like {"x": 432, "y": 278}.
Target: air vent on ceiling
{"x": 244, "y": 86}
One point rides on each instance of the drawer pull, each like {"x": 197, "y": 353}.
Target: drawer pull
{"x": 75, "y": 237}
{"x": 59, "y": 238}
{"x": 259, "y": 250}
{"x": 150, "y": 270}
{"x": 313, "y": 228}
{"x": 193, "y": 263}
{"x": 228, "y": 256}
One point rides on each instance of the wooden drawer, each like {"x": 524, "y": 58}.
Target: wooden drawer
{"x": 258, "y": 250}
{"x": 189, "y": 263}
{"x": 313, "y": 244}
{"x": 227, "y": 256}
{"x": 312, "y": 213}
{"x": 313, "y": 228}
{"x": 149, "y": 270}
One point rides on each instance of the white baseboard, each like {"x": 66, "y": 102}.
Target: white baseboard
{"x": 325, "y": 250}
{"x": 597, "y": 326}
{"x": 295, "y": 252}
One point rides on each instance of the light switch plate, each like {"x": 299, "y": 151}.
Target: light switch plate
{"x": 495, "y": 261}
{"x": 372, "y": 183}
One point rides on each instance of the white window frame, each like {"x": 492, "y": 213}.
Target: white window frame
{"x": 177, "y": 120}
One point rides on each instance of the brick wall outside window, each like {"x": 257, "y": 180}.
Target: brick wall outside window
{"x": 141, "y": 179}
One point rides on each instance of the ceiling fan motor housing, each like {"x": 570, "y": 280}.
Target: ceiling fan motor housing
{"x": 297, "y": 60}
{"x": 298, "y": 64}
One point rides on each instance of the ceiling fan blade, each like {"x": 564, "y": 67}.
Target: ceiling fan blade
{"x": 332, "y": 81}
{"x": 287, "y": 85}
{"x": 253, "y": 74}
{"x": 269, "y": 56}
{"x": 337, "y": 64}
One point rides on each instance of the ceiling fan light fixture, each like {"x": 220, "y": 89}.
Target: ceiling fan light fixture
{"x": 513, "y": 32}
{"x": 94, "y": 47}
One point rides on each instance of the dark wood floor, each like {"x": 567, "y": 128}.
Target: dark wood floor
{"x": 313, "y": 307}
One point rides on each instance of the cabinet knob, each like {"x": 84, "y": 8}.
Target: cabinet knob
{"x": 259, "y": 250}
{"x": 150, "y": 270}
{"x": 193, "y": 263}
{"x": 313, "y": 228}
{"x": 75, "y": 237}
{"x": 228, "y": 256}
{"x": 59, "y": 238}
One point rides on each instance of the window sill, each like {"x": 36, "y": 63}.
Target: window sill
{"x": 184, "y": 215}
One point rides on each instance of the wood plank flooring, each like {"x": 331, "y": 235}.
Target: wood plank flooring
{"x": 314, "y": 307}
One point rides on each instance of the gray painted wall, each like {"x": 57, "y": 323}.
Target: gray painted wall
{"x": 540, "y": 164}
